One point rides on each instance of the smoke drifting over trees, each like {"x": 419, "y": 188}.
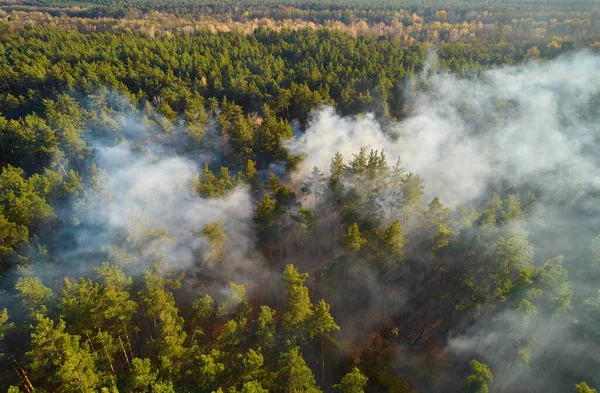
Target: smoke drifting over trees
{"x": 527, "y": 128}
{"x": 436, "y": 231}
{"x": 532, "y": 124}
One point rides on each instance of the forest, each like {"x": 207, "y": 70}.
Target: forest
{"x": 299, "y": 197}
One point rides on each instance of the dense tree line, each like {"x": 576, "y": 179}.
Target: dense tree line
{"x": 192, "y": 6}
{"x": 533, "y": 30}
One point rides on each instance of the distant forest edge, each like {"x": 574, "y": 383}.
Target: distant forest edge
{"x": 304, "y": 4}
{"x": 527, "y": 28}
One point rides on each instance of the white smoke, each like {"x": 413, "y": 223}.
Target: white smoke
{"x": 511, "y": 124}
{"x": 141, "y": 194}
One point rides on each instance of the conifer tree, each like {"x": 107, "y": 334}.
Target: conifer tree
{"x": 294, "y": 375}
{"x": 478, "y": 381}
{"x": 60, "y": 359}
{"x": 353, "y": 239}
{"x": 298, "y": 307}
{"x": 353, "y": 382}
{"x": 322, "y": 325}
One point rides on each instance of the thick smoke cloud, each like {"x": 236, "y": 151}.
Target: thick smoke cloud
{"x": 145, "y": 198}
{"x": 535, "y": 126}
{"x": 533, "y": 123}
{"x": 160, "y": 191}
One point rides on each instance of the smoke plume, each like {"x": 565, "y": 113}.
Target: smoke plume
{"x": 534, "y": 123}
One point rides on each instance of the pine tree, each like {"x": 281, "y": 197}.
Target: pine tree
{"x": 4, "y": 327}
{"x": 272, "y": 133}
{"x": 265, "y": 219}
{"x": 207, "y": 187}
{"x": 412, "y": 192}
{"x": 396, "y": 180}
{"x": 265, "y": 329}
{"x": 294, "y": 376}
{"x": 253, "y": 367}
{"x": 353, "y": 382}
{"x": 237, "y": 304}
{"x": 315, "y": 185}
{"x": 322, "y": 324}
{"x": 209, "y": 369}
{"x": 215, "y": 232}
{"x": 196, "y": 117}
{"x": 478, "y": 381}
{"x": 166, "y": 325}
{"x": 34, "y": 296}
{"x": 556, "y": 289}
{"x": 251, "y": 174}
{"x": 298, "y": 308}
{"x": 353, "y": 239}
{"x": 203, "y": 308}
{"x": 142, "y": 376}
{"x": 253, "y": 387}
{"x": 582, "y": 387}
{"x": 595, "y": 247}
{"x": 60, "y": 359}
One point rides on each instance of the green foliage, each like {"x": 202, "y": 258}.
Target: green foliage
{"x": 265, "y": 328}
{"x": 159, "y": 303}
{"x": 60, "y": 359}
{"x": 554, "y": 282}
{"x": 264, "y": 216}
{"x": 390, "y": 247}
{"x": 321, "y": 320}
{"x": 21, "y": 203}
{"x": 315, "y": 185}
{"x": 582, "y": 387}
{"x": 308, "y": 223}
{"x": 34, "y": 296}
{"x": 294, "y": 375}
{"x": 203, "y": 309}
{"x": 142, "y": 376}
{"x": 253, "y": 366}
{"x": 250, "y": 173}
{"x": 592, "y": 315}
{"x": 298, "y": 307}
{"x": 253, "y": 387}
{"x": 215, "y": 232}
{"x": 209, "y": 368}
{"x": 212, "y": 186}
{"x": 596, "y": 251}
{"x": 271, "y": 134}
{"x": 237, "y": 303}
{"x": 411, "y": 190}
{"x": 478, "y": 381}
{"x": 353, "y": 239}
{"x": 353, "y": 382}
{"x": 4, "y": 327}
{"x": 12, "y": 235}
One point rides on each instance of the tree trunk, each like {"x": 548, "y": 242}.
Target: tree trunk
{"x": 23, "y": 377}
{"x": 323, "y": 361}
{"x": 127, "y": 339}
{"x": 384, "y": 305}
{"x": 449, "y": 324}
{"x": 332, "y": 240}
{"x": 112, "y": 369}
{"x": 124, "y": 352}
